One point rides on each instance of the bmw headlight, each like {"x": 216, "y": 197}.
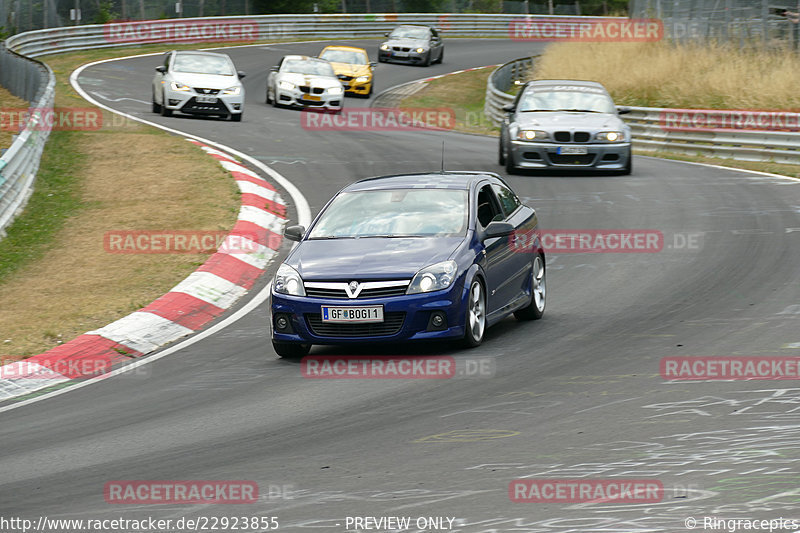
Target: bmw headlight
{"x": 420, "y": 50}
{"x": 288, "y": 281}
{"x": 532, "y": 135}
{"x": 286, "y": 85}
{"x": 610, "y": 136}
{"x": 433, "y": 278}
{"x": 232, "y": 90}
{"x": 361, "y": 79}
{"x": 179, "y": 86}
{"x": 335, "y": 90}
{"x": 384, "y": 46}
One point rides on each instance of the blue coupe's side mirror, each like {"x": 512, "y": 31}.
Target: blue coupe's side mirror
{"x": 498, "y": 229}
{"x": 294, "y": 233}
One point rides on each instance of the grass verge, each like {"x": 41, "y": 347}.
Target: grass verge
{"x": 656, "y": 75}
{"x": 56, "y": 279}
{"x": 710, "y": 76}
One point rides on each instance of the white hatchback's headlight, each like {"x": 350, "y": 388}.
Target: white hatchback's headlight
{"x": 286, "y": 85}
{"x": 361, "y": 79}
{"x": 335, "y": 90}
{"x": 232, "y": 90}
{"x": 532, "y": 135}
{"x": 420, "y": 50}
{"x": 610, "y": 136}
{"x": 288, "y": 281}
{"x": 384, "y": 46}
{"x": 433, "y": 278}
{"x": 179, "y": 86}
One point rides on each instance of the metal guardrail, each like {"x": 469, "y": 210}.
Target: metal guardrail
{"x": 649, "y": 132}
{"x": 39, "y": 42}
{"x": 500, "y": 81}
{"x": 34, "y": 82}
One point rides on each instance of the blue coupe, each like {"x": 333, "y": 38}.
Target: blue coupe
{"x": 409, "y": 258}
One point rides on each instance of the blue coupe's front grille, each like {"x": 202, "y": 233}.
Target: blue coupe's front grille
{"x": 392, "y": 322}
{"x": 378, "y": 292}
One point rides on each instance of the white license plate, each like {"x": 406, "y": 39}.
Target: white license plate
{"x": 206, "y": 99}
{"x": 369, "y": 313}
{"x": 572, "y": 150}
{"x": 400, "y": 54}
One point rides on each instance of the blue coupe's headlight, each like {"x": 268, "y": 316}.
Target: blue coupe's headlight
{"x": 433, "y": 278}
{"x": 288, "y": 281}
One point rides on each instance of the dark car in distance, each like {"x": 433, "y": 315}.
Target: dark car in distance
{"x": 412, "y": 44}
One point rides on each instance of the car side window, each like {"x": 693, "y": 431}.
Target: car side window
{"x": 434, "y": 34}
{"x": 488, "y": 209}
{"x": 508, "y": 200}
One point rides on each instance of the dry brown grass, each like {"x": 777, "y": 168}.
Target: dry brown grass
{"x": 691, "y": 76}
{"x": 134, "y": 178}
{"x": 9, "y": 101}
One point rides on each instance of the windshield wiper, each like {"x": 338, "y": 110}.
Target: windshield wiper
{"x": 580, "y": 110}
{"x": 388, "y": 236}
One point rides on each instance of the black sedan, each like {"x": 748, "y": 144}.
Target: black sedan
{"x": 409, "y": 258}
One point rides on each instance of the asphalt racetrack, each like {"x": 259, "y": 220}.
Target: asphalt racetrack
{"x": 576, "y": 395}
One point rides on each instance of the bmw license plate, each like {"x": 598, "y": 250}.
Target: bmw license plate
{"x": 312, "y": 97}
{"x": 206, "y": 99}
{"x": 369, "y": 313}
{"x": 572, "y": 150}
{"x": 400, "y": 54}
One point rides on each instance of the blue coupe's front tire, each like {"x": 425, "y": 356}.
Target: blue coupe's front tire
{"x": 475, "y": 319}
{"x": 535, "y": 310}
{"x": 291, "y": 350}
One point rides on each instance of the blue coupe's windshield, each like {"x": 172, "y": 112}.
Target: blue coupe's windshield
{"x": 566, "y": 100}
{"x": 394, "y": 213}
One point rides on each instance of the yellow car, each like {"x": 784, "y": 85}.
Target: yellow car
{"x": 352, "y": 67}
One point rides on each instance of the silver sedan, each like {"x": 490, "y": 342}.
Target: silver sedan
{"x": 565, "y": 124}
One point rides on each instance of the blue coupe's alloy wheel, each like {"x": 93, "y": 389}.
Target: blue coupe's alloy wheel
{"x": 477, "y": 312}
{"x": 538, "y": 285}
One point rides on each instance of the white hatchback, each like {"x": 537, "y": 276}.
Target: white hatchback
{"x": 198, "y": 83}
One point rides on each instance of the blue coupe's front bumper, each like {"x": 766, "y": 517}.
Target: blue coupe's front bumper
{"x": 406, "y": 318}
